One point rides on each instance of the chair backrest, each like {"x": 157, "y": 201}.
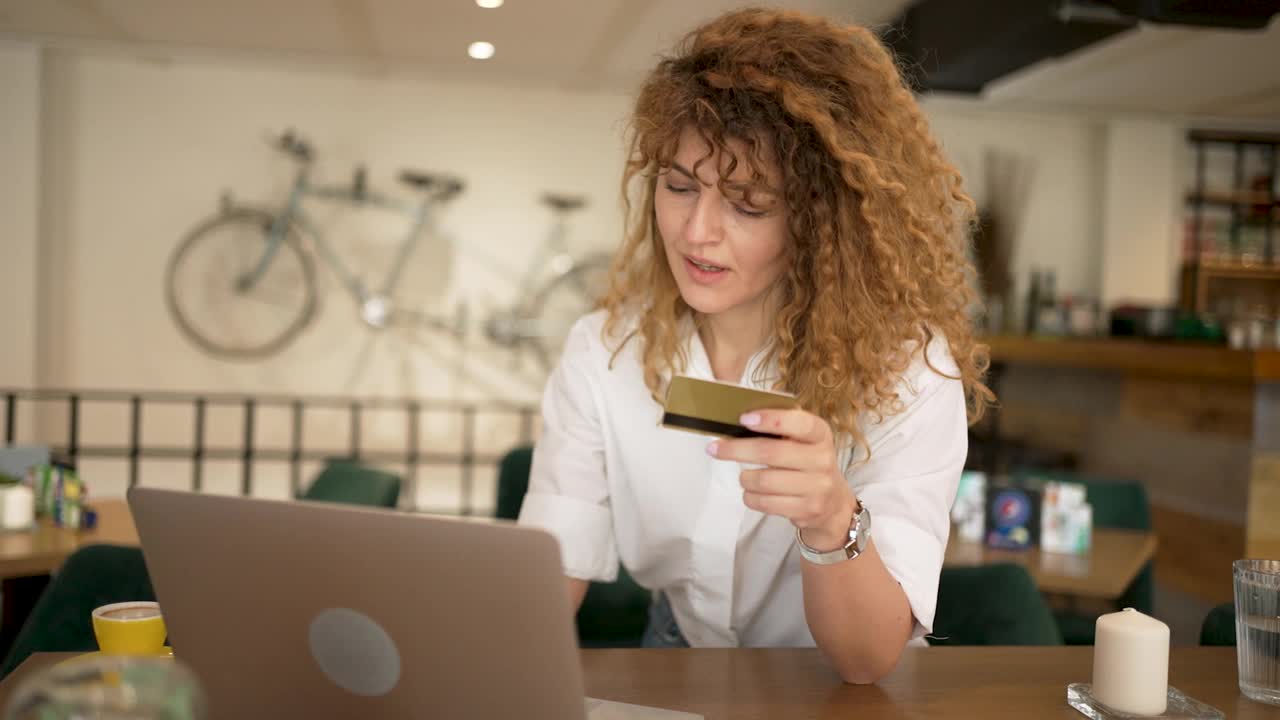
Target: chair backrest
{"x": 93, "y": 576}
{"x": 345, "y": 481}
{"x": 991, "y": 605}
{"x": 513, "y": 482}
{"x": 1117, "y": 503}
{"x": 612, "y": 614}
{"x": 1219, "y": 628}
{"x": 1120, "y": 504}
{"x": 15, "y": 460}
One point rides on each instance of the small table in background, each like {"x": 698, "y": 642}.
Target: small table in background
{"x": 27, "y": 557}
{"x": 1114, "y": 559}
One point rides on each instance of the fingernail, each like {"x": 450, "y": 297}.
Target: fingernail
{"x": 750, "y": 419}
{"x": 713, "y": 447}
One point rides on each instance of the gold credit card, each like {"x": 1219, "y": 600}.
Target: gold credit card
{"x": 711, "y": 407}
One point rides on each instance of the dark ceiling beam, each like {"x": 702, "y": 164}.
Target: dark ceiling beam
{"x": 961, "y": 45}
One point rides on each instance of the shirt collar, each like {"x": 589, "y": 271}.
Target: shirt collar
{"x": 699, "y": 364}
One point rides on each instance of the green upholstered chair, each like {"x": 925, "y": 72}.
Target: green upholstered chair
{"x": 995, "y": 604}
{"x": 1120, "y": 504}
{"x": 102, "y": 574}
{"x": 92, "y": 576}
{"x": 1219, "y": 628}
{"x": 612, "y": 614}
{"x": 346, "y": 481}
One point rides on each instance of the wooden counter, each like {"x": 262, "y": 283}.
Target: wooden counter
{"x": 1198, "y": 425}
{"x": 1166, "y": 359}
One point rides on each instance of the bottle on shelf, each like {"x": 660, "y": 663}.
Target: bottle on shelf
{"x": 1032, "y": 313}
{"x": 1048, "y": 310}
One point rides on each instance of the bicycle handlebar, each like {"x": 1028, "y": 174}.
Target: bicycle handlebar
{"x": 359, "y": 188}
{"x": 291, "y": 144}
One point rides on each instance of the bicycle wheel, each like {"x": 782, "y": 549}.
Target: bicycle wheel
{"x": 213, "y": 305}
{"x": 559, "y": 304}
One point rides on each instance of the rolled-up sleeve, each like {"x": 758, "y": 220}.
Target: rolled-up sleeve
{"x": 568, "y": 494}
{"x": 910, "y": 481}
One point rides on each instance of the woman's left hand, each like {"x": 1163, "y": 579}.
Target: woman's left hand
{"x": 801, "y": 480}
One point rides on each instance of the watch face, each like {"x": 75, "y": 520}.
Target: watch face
{"x": 864, "y": 529}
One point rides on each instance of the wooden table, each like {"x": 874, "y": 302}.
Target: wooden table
{"x": 795, "y": 684}
{"x": 28, "y": 557}
{"x": 1114, "y": 560}
{"x": 1112, "y": 563}
{"x": 43, "y": 549}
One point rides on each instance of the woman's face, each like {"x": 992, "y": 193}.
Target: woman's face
{"x": 725, "y": 249}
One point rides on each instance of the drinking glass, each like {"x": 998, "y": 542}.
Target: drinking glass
{"x": 1257, "y": 590}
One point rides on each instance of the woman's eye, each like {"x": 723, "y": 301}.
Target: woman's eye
{"x": 678, "y": 189}
{"x": 746, "y": 212}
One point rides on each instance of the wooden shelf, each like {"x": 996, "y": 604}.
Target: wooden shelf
{"x": 1234, "y": 137}
{"x": 1235, "y": 270}
{"x": 1230, "y": 199}
{"x": 1253, "y": 201}
{"x": 1262, "y": 221}
{"x": 1196, "y": 280}
{"x": 1189, "y": 361}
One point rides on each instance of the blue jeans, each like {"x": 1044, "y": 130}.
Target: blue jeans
{"x": 662, "y": 630}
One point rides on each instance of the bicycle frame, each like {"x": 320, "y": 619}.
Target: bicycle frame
{"x": 293, "y": 215}
{"x": 548, "y": 256}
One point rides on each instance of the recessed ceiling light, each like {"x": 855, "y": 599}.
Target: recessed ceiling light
{"x": 480, "y": 50}
{"x": 489, "y": 4}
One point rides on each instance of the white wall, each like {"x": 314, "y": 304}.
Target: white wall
{"x": 141, "y": 151}
{"x": 1141, "y": 228}
{"x": 134, "y": 153}
{"x": 1103, "y": 206}
{"x": 146, "y": 149}
{"x": 1061, "y": 154}
{"x": 19, "y": 227}
{"x": 19, "y": 173}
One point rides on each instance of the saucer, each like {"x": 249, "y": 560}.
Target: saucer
{"x": 166, "y": 653}
{"x": 1179, "y": 706}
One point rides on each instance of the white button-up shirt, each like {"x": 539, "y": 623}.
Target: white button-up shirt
{"x": 613, "y": 485}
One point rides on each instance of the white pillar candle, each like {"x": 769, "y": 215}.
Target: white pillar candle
{"x": 17, "y": 507}
{"x": 1131, "y": 663}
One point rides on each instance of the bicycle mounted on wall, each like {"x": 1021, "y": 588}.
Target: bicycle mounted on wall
{"x": 261, "y": 256}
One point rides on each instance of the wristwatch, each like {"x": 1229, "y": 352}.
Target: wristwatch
{"x": 859, "y": 537}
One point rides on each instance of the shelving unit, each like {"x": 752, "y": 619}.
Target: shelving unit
{"x": 1246, "y": 262}
{"x": 1230, "y": 199}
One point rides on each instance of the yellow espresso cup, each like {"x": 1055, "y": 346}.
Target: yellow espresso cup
{"x": 130, "y": 628}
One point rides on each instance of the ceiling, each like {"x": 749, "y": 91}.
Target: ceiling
{"x": 601, "y": 45}
{"x": 1166, "y": 69}
{"x": 584, "y": 44}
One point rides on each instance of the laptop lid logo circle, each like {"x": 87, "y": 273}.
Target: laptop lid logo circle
{"x": 354, "y": 652}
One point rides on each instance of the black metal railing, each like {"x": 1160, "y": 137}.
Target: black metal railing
{"x": 412, "y": 456}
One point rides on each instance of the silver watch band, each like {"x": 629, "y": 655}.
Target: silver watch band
{"x": 859, "y": 536}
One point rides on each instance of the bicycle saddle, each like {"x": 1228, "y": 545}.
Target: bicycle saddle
{"x": 564, "y": 202}
{"x": 443, "y": 184}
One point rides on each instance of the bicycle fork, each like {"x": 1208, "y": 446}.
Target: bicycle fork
{"x": 379, "y": 310}
{"x": 276, "y": 236}
{"x": 420, "y": 221}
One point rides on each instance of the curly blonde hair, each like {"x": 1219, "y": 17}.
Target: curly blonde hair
{"x": 877, "y": 220}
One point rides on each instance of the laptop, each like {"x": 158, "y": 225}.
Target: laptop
{"x": 308, "y": 609}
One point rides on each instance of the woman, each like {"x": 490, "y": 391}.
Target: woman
{"x": 797, "y": 229}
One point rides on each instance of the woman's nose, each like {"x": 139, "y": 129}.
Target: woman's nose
{"x": 704, "y": 225}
